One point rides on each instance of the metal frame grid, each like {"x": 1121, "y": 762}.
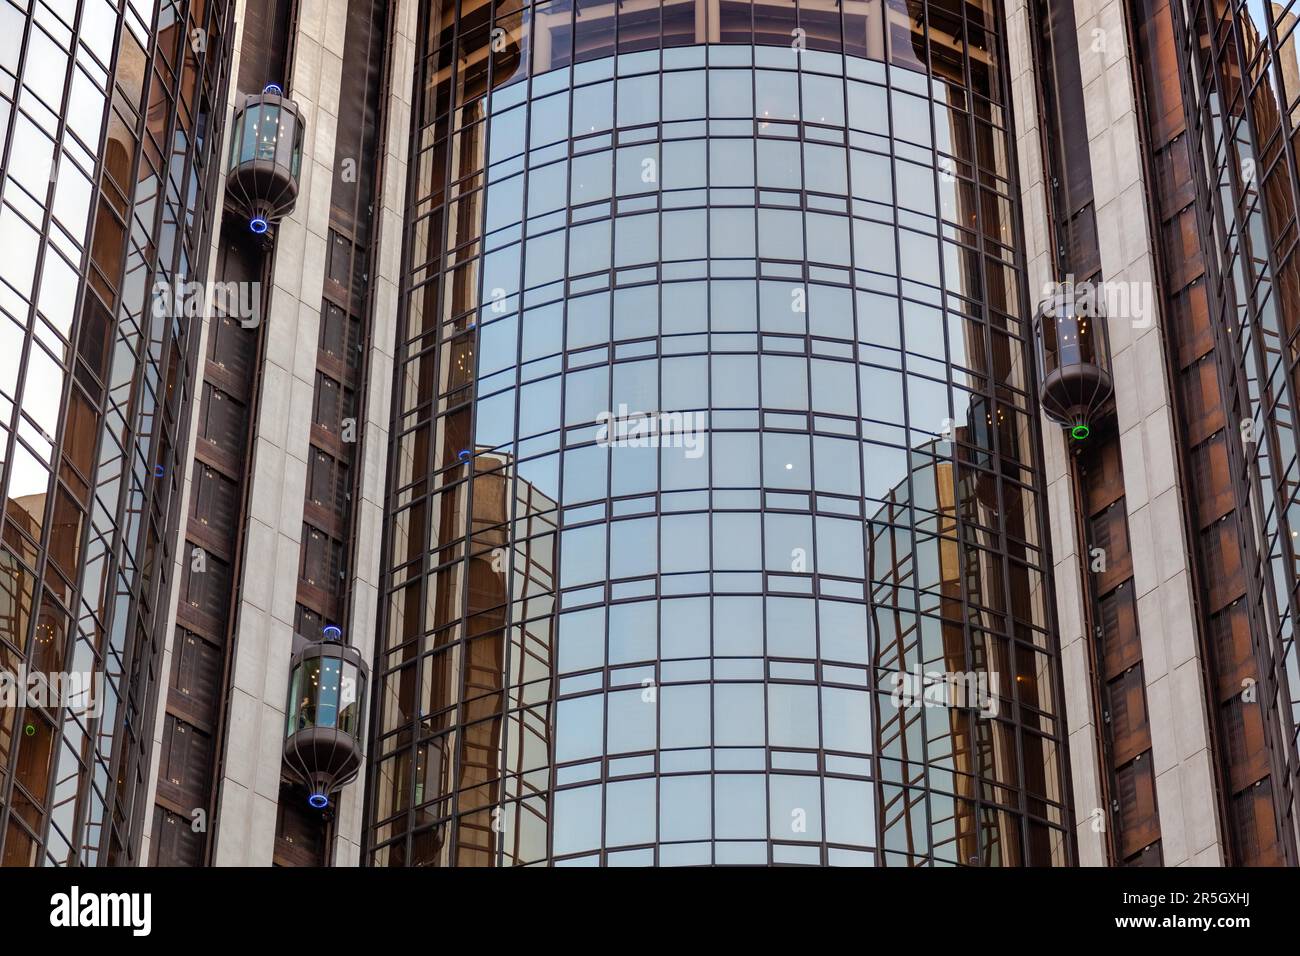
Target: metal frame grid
{"x": 987, "y": 556}
{"x": 126, "y": 97}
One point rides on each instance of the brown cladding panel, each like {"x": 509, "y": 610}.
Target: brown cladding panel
{"x": 1124, "y": 700}
{"x": 1139, "y": 824}
{"x": 1188, "y": 311}
{"x": 299, "y": 833}
{"x": 266, "y": 38}
{"x": 1121, "y": 645}
{"x": 175, "y": 842}
{"x": 1254, "y": 826}
{"x": 232, "y": 349}
{"x": 1103, "y": 476}
{"x": 1243, "y": 729}
{"x": 1108, "y": 531}
{"x": 1211, "y": 480}
{"x": 1233, "y": 653}
{"x": 1221, "y": 551}
{"x": 1159, "y": 67}
{"x": 1202, "y": 404}
{"x": 185, "y": 769}
{"x": 196, "y": 677}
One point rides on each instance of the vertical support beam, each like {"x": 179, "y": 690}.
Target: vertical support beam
{"x": 386, "y": 281}
{"x": 250, "y": 783}
{"x": 1082, "y": 721}
{"x": 1173, "y": 669}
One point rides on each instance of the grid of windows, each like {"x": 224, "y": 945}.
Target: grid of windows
{"x": 1234, "y": 313}
{"x": 106, "y": 113}
{"x": 623, "y": 652}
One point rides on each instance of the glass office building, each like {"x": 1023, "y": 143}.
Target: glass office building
{"x": 665, "y": 425}
{"x": 106, "y": 177}
{"x": 785, "y": 238}
{"x": 1233, "y": 287}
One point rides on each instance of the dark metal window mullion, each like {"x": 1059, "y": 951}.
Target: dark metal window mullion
{"x": 815, "y": 576}
{"x": 870, "y": 637}
{"x": 1289, "y": 766}
{"x": 658, "y": 676}
{"x": 456, "y": 738}
{"x": 525, "y": 108}
{"x": 560, "y": 522}
{"x": 607, "y": 588}
{"x": 8, "y": 780}
{"x": 915, "y": 608}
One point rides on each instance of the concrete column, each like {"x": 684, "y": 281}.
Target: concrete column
{"x": 386, "y": 281}
{"x": 1081, "y": 719}
{"x": 250, "y": 784}
{"x": 1180, "y": 737}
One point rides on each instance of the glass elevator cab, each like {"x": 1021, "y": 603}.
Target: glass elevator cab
{"x": 324, "y": 717}
{"x": 265, "y": 158}
{"x": 1073, "y": 359}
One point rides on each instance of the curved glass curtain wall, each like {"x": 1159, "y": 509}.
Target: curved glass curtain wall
{"x": 679, "y": 655}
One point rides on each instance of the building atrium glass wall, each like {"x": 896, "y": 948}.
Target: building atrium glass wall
{"x": 718, "y": 527}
